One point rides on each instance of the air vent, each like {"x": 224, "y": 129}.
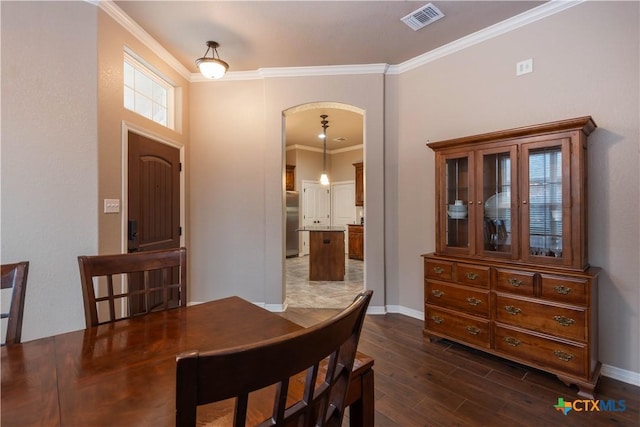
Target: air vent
{"x": 340, "y": 139}
{"x": 422, "y": 17}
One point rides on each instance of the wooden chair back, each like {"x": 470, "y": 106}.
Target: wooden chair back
{"x": 325, "y": 352}
{"x": 120, "y": 286}
{"x": 14, "y": 276}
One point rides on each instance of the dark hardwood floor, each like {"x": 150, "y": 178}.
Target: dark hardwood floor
{"x": 423, "y": 383}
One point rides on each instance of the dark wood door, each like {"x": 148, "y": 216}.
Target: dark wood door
{"x": 154, "y": 195}
{"x": 154, "y": 206}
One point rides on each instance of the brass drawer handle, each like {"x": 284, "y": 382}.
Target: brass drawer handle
{"x": 515, "y": 282}
{"x": 473, "y": 330}
{"x": 512, "y": 341}
{"x": 563, "y": 290}
{"x": 473, "y": 301}
{"x": 512, "y": 310}
{"x": 472, "y": 276}
{"x": 437, "y": 320}
{"x": 565, "y": 357}
{"x": 438, "y": 270}
{"x": 437, "y": 293}
{"x": 564, "y": 321}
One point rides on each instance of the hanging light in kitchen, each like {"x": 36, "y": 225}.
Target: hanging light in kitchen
{"x": 324, "y": 179}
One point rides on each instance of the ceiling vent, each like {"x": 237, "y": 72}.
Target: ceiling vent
{"x": 422, "y": 17}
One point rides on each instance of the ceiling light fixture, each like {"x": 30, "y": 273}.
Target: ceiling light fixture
{"x": 324, "y": 179}
{"x": 212, "y": 68}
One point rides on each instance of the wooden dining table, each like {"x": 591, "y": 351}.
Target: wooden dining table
{"x": 123, "y": 373}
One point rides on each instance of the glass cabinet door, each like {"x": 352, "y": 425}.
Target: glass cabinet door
{"x": 496, "y": 203}
{"x": 546, "y": 202}
{"x": 455, "y": 197}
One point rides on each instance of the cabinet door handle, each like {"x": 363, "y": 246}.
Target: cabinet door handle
{"x": 512, "y": 310}
{"x": 512, "y": 341}
{"x": 563, "y": 290}
{"x": 515, "y": 282}
{"x": 437, "y": 320}
{"x": 438, "y": 270}
{"x": 437, "y": 293}
{"x": 565, "y": 357}
{"x": 472, "y": 276}
{"x": 473, "y": 330}
{"x": 564, "y": 321}
{"x": 473, "y": 301}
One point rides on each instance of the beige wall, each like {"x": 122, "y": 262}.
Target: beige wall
{"x": 585, "y": 62}
{"x": 112, "y": 40}
{"x": 49, "y": 155}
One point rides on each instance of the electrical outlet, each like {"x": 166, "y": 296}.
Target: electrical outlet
{"x": 524, "y": 67}
{"x": 111, "y": 205}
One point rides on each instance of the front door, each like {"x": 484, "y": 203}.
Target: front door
{"x": 154, "y": 195}
{"x": 153, "y": 206}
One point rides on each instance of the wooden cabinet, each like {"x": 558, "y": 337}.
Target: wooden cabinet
{"x": 290, "y": 178}
{"x": 356, "y": 242}
{"x": 510, "y": 273}
{"x": 359, "y": 183}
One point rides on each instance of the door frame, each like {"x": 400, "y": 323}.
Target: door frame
{"x": 124, "y": 201}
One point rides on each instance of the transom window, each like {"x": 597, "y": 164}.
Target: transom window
{"x": 147, "y": 92}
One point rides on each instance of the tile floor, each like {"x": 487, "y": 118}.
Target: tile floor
{"x": 316, "y": 294}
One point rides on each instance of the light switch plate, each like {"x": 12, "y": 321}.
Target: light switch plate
{"x": 111, "y": 205}
{"x": 524, "y": 67}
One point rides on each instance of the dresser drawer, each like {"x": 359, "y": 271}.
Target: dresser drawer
{"x": 556, "y": 320}
{"x": 438, "y": 269}
{"x": 515, "y": 281}
{"x": 464, "y": 328}
{"x": 547, "y": 352}
{"x": 462, "y": 298}
{"x": 564, "y": 289}
{"x": 472, "y": 275}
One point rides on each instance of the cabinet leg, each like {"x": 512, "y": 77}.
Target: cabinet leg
{"x": 585, "y": 388}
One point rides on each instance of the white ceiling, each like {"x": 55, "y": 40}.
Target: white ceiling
{"x": 256, "y": 35}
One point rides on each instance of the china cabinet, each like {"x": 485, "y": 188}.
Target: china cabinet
{"x": 510, "y": 273}
{"x": 290, "y": 183}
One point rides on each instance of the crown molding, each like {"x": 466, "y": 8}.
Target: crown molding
{"x": 543, "y": 11}
{"x": 319, "y": 150}
{"x": 111, "y": 9}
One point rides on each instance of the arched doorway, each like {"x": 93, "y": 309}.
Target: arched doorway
{"x": 304, "y": 160}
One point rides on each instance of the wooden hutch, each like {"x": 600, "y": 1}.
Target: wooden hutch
{"x": 510, "y": 274}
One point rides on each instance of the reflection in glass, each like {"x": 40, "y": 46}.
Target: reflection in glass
{"x": 545, "y": 202}
{"x": 457, "y": 196}
{"x": 497, "y": 207}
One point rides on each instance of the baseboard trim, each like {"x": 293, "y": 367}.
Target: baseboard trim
{"x": 619, "y": 374}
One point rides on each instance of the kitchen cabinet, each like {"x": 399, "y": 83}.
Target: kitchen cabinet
{"x": 510, "y": 273}
{"x": 290, "y": 178}
{"x": 356, "y": 241}
{"x": 359, "y": 183}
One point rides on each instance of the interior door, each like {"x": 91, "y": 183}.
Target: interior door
{"x": 153, "y": 205}
{"x": 316, "y": 204}
{"x": 343, "y": 210}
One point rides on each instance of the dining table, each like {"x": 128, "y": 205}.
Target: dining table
{"x": 124, "y": 373}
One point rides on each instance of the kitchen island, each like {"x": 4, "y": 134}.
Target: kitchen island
{"x": 326, "y": 253}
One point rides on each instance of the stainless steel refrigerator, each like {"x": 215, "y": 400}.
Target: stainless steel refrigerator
{"x": 292, "y": 238}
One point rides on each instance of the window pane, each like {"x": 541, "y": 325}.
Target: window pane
{"x": 143, "y": 105}
{"x": 128, "y": 75}
{"x": 129, "y": 97}
{"x": 545, "y": 202}
{"x": 143, "y": 84}
{"x": 159, "y": 94}
{"x": 159, "y": 114}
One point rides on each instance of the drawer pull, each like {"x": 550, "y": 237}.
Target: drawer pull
{"x": 472, "y": 276}
{"x": 512, "y": 310}
{"x": 438, "y": 270}
{"x": 512, "y": 341}
{"x": 437, "y": 293}
{"x": 515, "y": 282}
{"x": 473, "y": 330}
{"x": 564, "y": 321}
{"x": 563, "y": 290}
{"x": 437, "y": 320}
{"x": 473, "y": 301}
{"x": 565, "y": 357}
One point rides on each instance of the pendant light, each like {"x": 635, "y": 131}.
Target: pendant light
{"x": 212, "y": 68}
{"x": 324, "y": 179}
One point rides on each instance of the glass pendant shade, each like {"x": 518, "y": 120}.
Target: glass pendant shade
{"x": 324, "y": 179}
{"x": 212, "y": 68}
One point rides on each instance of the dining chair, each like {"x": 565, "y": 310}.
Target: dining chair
{"x": 14, "y": 277}
{"x": 121, "y": 286}
{"x": 325, "y": 351}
